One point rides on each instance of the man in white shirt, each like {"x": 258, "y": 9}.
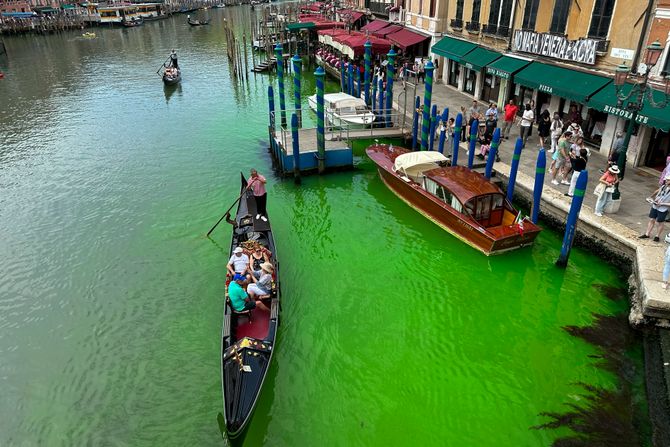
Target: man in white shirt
{"x": 238, "y": 263}
{"x": 526, "y": 122}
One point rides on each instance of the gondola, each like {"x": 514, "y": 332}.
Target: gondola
{"x": 248, "y": 338}
{"x": 170, "y": 78}
{"x": 197, "y": 22}
{"x": 132, "y": 23}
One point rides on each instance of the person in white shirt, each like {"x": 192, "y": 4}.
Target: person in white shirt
{"x": 556, "y": 131}
{"x": 526, "y": 122}
{"x": 238, "y": 263}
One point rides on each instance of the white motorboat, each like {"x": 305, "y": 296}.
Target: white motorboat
{"x": 343, "y": 110}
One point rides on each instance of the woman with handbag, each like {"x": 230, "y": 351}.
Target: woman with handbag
{"x": 605, "y": 189}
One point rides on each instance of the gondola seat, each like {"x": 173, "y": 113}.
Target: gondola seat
{"x": 239, "y": 313}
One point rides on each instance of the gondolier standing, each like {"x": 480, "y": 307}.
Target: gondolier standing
{"x": 257, "y": 184}
{"x": 173, "y": 59}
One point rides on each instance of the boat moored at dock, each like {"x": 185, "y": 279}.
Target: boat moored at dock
{"x": 458, "y": 199}
{"x": 344, "y": 110}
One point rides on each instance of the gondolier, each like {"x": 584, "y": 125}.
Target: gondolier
{"x": 173, "y": 59}
{"x": 257, "y": 185}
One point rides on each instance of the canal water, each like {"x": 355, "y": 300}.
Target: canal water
{"x": 111, "y": 298}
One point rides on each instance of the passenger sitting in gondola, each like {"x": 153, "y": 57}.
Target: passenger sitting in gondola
{"x": 239, "y": 263}
{"x": 258, "y": 257}
{"x": 262, "y": 287}
{"x": 239, "y": 299}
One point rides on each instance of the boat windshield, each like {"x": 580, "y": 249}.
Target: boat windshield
{"x": 487, "y": 209}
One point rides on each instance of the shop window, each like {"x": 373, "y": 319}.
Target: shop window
{"x": 559, "y": 18}
{"x": 530, "y": 14}
{"x": 470, "y": 81}
{"x": 476, "y": 8}
{"x": 454, "y": 73}
{"x": 601, "y": 19}
{"x": 491, "y": 88}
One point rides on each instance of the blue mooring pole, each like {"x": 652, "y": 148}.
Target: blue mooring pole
{"x": 358, "y": 83}
{"x": 415, "y": 123}
{"x": 380, "y": 105}
{"x": 427, "y": 98}
{"x": 297, "y": 74}
{"x": 279, "y": 54}
{"x": 433, "y": 126}
{"x": 296, "y": 149}
{"x": 271, "y": 117}
{"x": 473, "y": 143}
{"x": 390, "y": 74}
{"x": 573, "y": 217}
{"x": 540, "y": 168}
{"x": 457, "y": 139}
{"x": 320, "y": 74}
{"x": 445, "y": 129}
{"x": 493, "y": 153}
{"x": 373, "y": 100}
{"x": 515, "y": 167}
{"x": 351, "y": 79}
{"x": 368, "y": 70}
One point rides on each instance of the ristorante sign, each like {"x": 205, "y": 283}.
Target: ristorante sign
{"x": 582, "y": 50}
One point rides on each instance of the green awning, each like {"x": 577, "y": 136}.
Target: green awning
{"x": 479, "y": 58}
{"x": 453, "y": 49}
{"x": 606, "y": 101}
{"x": 68, "y": 6}
{"x": 45, "y": 9}
{"x": 300, "y": 26}
{"x": 570, "y": 84}
{"x": 506, "y": 66}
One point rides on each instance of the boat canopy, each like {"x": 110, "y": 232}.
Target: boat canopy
{"x": 414, "y": 163}
{"x": 462, "y": 182}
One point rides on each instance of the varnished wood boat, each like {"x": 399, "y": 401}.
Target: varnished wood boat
{"x": 247, "y": 344}
{"x": 460, "y": 200}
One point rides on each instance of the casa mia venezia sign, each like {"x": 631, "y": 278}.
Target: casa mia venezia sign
{"x": 558, "y": 47}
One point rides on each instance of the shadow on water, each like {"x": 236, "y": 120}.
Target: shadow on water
{"x": 606, "y": 417}
{"x": 170, "y": 90}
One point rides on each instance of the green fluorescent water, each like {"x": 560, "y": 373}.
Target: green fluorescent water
{"x": 393, "y": 332}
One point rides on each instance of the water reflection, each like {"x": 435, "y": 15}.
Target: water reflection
{"x": 170, "y": 90}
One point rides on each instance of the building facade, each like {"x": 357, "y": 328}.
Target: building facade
{"x": 558, "y": 55}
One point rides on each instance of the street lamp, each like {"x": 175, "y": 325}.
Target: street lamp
{"x": 635, "y": 100}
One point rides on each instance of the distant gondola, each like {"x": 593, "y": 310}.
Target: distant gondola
{"x": 247, "y": 339}
{"x": 132, "y": 23}
{"x": 197, "y": 22}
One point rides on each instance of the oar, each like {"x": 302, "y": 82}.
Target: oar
{"x": 163, "y": 64}
{"x": 224, "y": 214}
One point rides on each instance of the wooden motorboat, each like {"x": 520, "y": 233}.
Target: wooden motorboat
{"x": 247, "y": 341}
{"x": 458, "y": 199}
{"x": 344, "y": 110}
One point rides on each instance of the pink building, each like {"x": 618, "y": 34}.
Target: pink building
{"x": 14, "y": 6}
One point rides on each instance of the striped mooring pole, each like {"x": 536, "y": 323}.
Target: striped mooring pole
{"x": 540, "y": 168}
{"x": 279, "y": 54}
{"x": 390, "y": 73}
{"x": 573, "y": 217}
{"x": 433, "y": 126}
{"x": 415, "y": 123}
{"x": 444, "y": 130}
{"x": 457, "y": 139}
{"x": 368, "y": 70}
{"x": 473, "y": 143}
{"x": 427, "y": 98}
{"x": 514, "y": 169}
{"x": 351, "y": 79}
{"x": 296, "y": 149}
{"x": 320, "y": 128}
{"x": 380, "y": 92}
{"x": 271, "y": 116}
{"x": 493, "y": 153}
{"x": 373, "y": 100}
{"x": 343, "y": 82}
{"x": 297, "y": 75}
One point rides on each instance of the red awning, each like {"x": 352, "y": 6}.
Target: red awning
{"x": 356, "y": 41}
{"x": 375, "y": 25}
{"x": 332, "y": 31}
{"x": 406, "y": 38}
{"x": 348, "y": 13}
{"x": 327, "y": 25}
{"x": 387, "y": 30}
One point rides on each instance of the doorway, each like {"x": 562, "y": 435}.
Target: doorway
{"x": 491, "y": 88}
{"x": 454, "y": 73}
{"x": 658, "y": 150}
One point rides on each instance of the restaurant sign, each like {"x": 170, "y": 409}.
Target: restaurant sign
{"x": 582, "y": 50}
{"x": 626, "y": 114}
{"x": 496, "y": 72}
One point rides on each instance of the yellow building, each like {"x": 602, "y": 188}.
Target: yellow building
{"x": 559, "y": 54}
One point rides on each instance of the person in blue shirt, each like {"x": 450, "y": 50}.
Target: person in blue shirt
{"x": 239, "y": 298}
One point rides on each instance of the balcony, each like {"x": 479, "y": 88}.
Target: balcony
{"x": 472, "y": 27}
{"x": 602, "y": 46}
{"x": 380, "y": 8}
{"x": 503, "y": 31}
{"x": 490, "y": 29}
{"x": 456, "y": 24}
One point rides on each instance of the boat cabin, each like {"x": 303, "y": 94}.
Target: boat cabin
{"x": 463, "y": 190}
{"x": 344, "y": 104}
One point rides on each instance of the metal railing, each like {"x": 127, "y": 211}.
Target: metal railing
{"x": 473, "y": 27}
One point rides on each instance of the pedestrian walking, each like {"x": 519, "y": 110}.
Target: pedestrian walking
{"x": 617, "y": 147}
{"x": 576, "y": 130}
{"x": 660, "y": 203}
{"x": 665, "y": 172}
{"x": 422, "y": 71}
{"x": 556, "y": 131}
{"x": 544, "y": 127}
{"x": 510, "y": 118}
{"x": 257, "y": 185}
{"x": 605, "y": 188}
{"x": 493, "y": 111}
{"x": 578, "y": 165}
{"x": 526, "y": 123}
{"x": 561, "y": 157}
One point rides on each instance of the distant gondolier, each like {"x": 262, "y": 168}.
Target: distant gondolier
{"x": 173, "y": 59}
{"x": 257, "y": 185}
